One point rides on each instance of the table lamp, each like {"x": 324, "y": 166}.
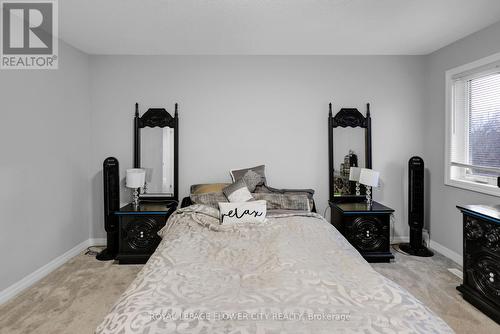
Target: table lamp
{"x": 369, "y": 178}
{"x": 354, "y": 174}
{"x": 135, "y": 179}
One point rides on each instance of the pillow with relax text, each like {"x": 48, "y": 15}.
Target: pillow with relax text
{"x": 243, "y": 212}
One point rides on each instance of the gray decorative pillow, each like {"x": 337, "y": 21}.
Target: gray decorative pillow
{"x": 284, "y": 201}
{"x": 267, "y": 189}
{"x": 237, "y": 174}
{"x": 211, "y": 199}
{"x": 237, "y": 192}
{"x": 252, "y": 180}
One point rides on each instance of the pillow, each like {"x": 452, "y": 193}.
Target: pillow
{"x": 210, "y": 199}
{"x": 237, "y": 174}
{"x": 207, "y": 188}
{"x": 237, "y": 192}
{"x": 307, "y": 192}
{"x": 246, "y": 212}
{"x": 252, "y": 180}
{"x": 284, "y": 201}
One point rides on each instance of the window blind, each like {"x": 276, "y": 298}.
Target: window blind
{"x": 472, "y": 158}
{"x": 483, "y": 122}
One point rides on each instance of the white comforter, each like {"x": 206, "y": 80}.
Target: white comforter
{"x": 292, "y": 274}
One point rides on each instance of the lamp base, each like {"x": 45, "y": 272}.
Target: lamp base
{"x": 135, "y": 198}
{"x": 369, "y": 195}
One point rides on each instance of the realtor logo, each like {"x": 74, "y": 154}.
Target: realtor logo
{"x": 29, "y": 34}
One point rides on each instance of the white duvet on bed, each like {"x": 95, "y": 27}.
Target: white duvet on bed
{"x": 293, "y": 274}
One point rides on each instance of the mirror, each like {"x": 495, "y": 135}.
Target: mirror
{"x": 157, "y": 157}
{"x": 349, "y": 151}
{"x": 349, "y": 145}
{"x": 156, "y": 146}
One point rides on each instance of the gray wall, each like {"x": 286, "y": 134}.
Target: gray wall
{"x": 235, "y": 111}
{"x": 238, "y": 111}
{"x": 446, "y": 223}
{"x": 45, "y": 145}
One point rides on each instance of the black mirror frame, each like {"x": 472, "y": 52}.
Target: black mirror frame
{"x": 158, "y": 117}
{"x": 348, "y": 117}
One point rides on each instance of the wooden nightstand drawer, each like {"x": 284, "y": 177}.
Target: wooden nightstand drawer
{"x": 481, "y": 238}
{"x": 138, "y": 231}
{"x": 367, "y": 228}
{"x": 368, "y": 233}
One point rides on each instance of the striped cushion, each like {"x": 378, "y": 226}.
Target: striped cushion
{"x": 211, "y": 199}
{"x": 284, "y": 201}
{"x": 197, "y": 189}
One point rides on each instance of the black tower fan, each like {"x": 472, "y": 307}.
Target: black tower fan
{"x": 111, "y": 180}
{"x": 416, "y": 209}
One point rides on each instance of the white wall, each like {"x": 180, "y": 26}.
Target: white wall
{"x": 44, "y": 145}
{"x": 446, "y": 222}
{"x": 238, "y": 111}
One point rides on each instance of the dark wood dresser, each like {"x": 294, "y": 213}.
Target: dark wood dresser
{"x": 138, "y": 228}
{"x": 481, "y": 261}
{"x": 367, "y": 228}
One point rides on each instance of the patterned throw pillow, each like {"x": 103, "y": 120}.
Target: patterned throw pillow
{"x": 210, "y": 199}
{"x": 246, "y": 212}
{"x": 252, "y": 180}
{"x": 237, "y": 192}
{"x": 284, "y": 201}
{"x": 307, "y": 192}
{"x": 237, "y": 174}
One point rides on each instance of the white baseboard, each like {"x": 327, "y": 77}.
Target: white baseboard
{"x": 40, "y": 273}
{"x": 457, "y": 272}
{"x": 97, "y": 242}
{"x": 399, "y": 240}
{"x": 455, "y": 257}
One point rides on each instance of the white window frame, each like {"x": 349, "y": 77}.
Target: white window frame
{"x": 475, "y": 67}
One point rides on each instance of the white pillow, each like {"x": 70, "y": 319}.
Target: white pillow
{"x": 237, "y": 192}
{"x": 244, "y": 212}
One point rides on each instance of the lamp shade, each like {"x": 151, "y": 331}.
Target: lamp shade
{"x": 135, "y": 178}
{"x": 354, "y": 174}
{"x": 369, "y": 177}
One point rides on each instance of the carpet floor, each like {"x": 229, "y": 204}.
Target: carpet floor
{"x": 76, "y": 297}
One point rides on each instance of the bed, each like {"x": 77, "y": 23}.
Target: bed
{"x": 293, "y": 273}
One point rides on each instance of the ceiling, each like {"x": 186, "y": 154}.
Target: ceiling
{"x": 270, "y": 27}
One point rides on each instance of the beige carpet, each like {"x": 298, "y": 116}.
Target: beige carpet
{"x": 76, "y": 297}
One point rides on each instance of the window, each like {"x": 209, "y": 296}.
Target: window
{"x": 473, "y": 126}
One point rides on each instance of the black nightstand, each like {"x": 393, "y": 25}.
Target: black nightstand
{"x": 367, "y": 228}
{"x": 138, "y": 228}
{"x": 481, "y": 261}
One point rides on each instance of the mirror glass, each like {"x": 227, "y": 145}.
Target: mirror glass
{"x": 157, "y": 158}
{"x": 348, "y": 151}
